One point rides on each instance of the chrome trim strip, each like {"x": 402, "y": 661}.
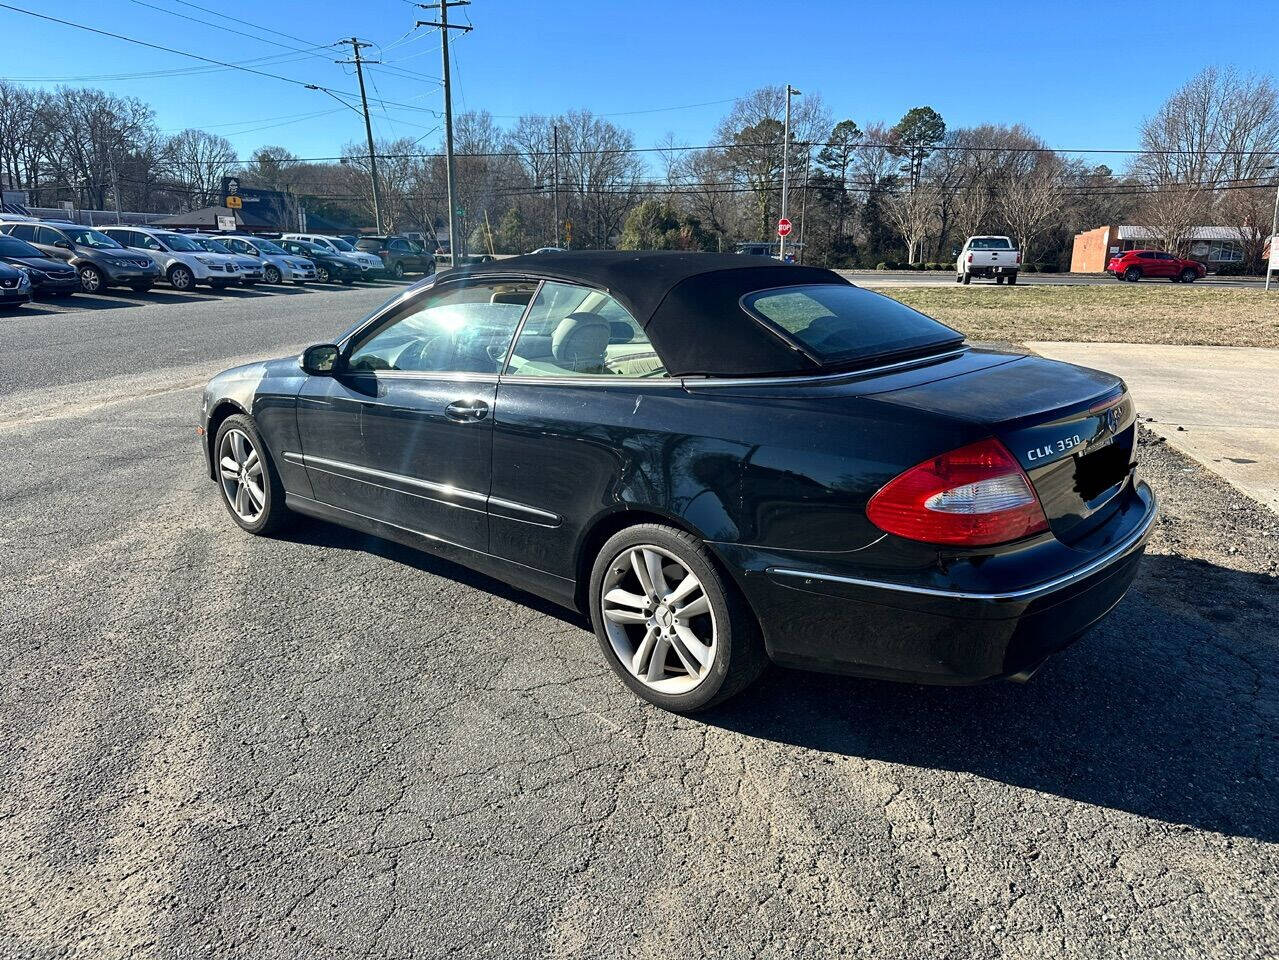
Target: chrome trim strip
{"x": 695, "y": 382}
{"x": 442, "y": 493}
{"x": 1027, "y": 593}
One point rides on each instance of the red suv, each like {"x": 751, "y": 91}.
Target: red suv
{"x": 1136, "y": 264}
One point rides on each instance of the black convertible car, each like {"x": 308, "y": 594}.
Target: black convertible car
{"x": 722, "y": 460}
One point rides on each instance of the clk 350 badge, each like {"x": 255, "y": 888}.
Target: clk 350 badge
{"x": 1061, "y": 446}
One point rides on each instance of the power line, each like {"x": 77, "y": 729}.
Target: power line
{"x": 220, "y": 13}
{"x": 225, "y": 29}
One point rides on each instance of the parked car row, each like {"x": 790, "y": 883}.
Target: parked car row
{"x": 58, "y": 258}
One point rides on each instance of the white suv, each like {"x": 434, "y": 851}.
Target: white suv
{"x": 184, "y": 262}
{"x": 369, "y": 263}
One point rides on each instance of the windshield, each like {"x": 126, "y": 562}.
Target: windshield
{"x": 990, "y": 243}
{"x": 13, "y": 247}
{"x": 90, "y": 238}
{"x": 175, "y": 241}
{"x": 837, "y": 324}
{"x": 213, "y": 246}
{"x": 266, "y": 246}
{"x": 340, "y": 244}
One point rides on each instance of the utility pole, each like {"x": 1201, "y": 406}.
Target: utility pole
{"x": 790, "y": 91}
{"x": 450, "y": 169}
{"x": 555, "y": 150}
{"x": 1274, "y": 235}
{"x": 356, "y": 47}
{"x": 803, "y": 202}
{"x": 115, "y": 191}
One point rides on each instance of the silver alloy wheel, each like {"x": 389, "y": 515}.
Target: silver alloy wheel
{"x": 90, "y": 279}
{"x": 271, "y": 274}
{"x": 659, "y": 619}
{"x": 240, "y": 470}
{"x": 180, "y": 278}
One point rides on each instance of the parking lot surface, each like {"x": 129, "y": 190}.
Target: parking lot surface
{"x": 325, "y": 745}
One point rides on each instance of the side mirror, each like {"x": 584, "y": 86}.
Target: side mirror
{"x": 321, "y": 360}
{"x": 63, "y": 244}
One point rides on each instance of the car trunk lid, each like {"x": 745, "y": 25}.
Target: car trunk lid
{"x": 1072, "y": 429}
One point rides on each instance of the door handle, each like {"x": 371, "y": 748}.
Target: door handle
{"x": 465, "y": 410}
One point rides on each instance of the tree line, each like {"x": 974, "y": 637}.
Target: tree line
{"x": 861, "y": 195}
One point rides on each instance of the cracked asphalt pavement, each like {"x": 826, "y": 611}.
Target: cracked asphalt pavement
{"x": 326, "y": 745}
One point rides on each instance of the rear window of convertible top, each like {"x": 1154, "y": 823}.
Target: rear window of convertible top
{"x": 840, "y": 325}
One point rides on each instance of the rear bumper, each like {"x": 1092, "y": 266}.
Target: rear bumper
{"x": 819, "y": 619}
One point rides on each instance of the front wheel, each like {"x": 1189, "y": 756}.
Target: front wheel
{"x": 91, "y": 279}
{"x": 271, "y": 275}
{"x": 398, "y": 270}
{"x": 251, "y": 488}
{"x": 180, "y": 277}
{"x": 322, "y": 274}
{"x": 669, "y": 623}
{"x": 1189, "y": 276}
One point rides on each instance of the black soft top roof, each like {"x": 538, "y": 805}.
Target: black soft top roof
{"x": 687, "y": 303}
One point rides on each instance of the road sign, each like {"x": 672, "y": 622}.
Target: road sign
{"x": 783, "y": 227}
{"x": 226, "y": 223}
{"x": 234, "y": 203}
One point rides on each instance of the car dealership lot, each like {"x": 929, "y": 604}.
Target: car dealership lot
{"x": 327, "y": 744}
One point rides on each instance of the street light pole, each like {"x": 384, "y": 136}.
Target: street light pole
{"x": 450, "y": 168}
{"x": 790, "y": 92}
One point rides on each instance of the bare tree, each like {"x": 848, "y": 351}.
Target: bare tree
{"x": 1033, "y": 197}
{"x": 913, "y": 213}
{"x": 196, "y": 162}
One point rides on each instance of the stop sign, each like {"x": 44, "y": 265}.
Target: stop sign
{"x": 783, "y": 227}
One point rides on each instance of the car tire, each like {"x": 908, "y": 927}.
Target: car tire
{"x": 1132, "y": 274}
{"x": 271, "y": 275}
{"x": 1189, "y": 276}
{"x": 91, "y": 279}
{"x": 967, "y": 278}
{"x": 398, "y": 270}
{"x": 999, "y": 279}
{"x": 705, "y": 657}
{"x": 181, "y": 277}
{"x": 322, "y": 274}
{"x": 1012, "y": 279}
{"x": 959, "y": 278}
{"x": 255, "y": 500}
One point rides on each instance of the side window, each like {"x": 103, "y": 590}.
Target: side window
{"x": 47, "y": 236}
{"x": 23, "y": 231}
{"x": 459, "y": 328}
{"x": 575, "y": 331}
{"x": 148, "y": 242}
{"x": 399, "y": 246}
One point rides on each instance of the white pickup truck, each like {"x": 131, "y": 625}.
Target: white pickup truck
{"x": 988, "y": 257}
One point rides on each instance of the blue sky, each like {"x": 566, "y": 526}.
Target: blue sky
{"x": 1080, "y": 74}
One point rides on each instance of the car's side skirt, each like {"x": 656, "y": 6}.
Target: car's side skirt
{"x": 556, "y": 589}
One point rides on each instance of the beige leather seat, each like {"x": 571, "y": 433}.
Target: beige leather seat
{"x": 579, "y": 343}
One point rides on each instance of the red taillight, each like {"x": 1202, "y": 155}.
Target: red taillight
{"x": 1018, "y": 259}
{"x": 970, "y": 258}
{"x": 974, "y": 496}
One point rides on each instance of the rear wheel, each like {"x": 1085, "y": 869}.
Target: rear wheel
{"x": 181, "y": 277}
{"x": 1132, "y": 274}
{"x": 1189, "y": 276}
{"x": 967, "y": 278}
{"x": 1012, "y": 278}
{"x": 999, "y": 280}
{"x": 91, "y": 279}
{"x": 250, "y": 485}
{"x": 669, "y": 623}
